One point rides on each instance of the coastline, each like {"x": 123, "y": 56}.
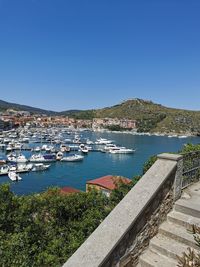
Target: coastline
{"x": 170, "y": 135}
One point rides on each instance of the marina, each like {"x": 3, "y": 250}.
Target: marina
{"x": 46, "y": 157}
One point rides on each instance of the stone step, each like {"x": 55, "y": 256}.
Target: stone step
{"x": 189, "y": 206}
{"x": 178, "y": 233}
{"x": 152, "y": 259}
{"x": 183, "y": 219}
{"x": 193, "y": 189}
{"x": 167, "y": 247}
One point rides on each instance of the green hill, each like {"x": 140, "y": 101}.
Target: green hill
{"x": 151, "y": 117}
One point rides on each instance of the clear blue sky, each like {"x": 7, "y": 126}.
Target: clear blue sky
{"x": 79, "y": 54}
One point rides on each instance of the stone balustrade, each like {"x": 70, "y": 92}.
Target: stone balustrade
{"x": 126, "y": 231}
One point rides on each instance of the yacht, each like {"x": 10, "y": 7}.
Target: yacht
{"x": 37, "y": 158}
{"x": 109, "y": 147}
{"x": 40, "y": 167}
{"x": 24, "y": 167}
{"x": 17, "y": 159}
{"x": 122, "y": 150}
{"x": 72, "y": 158}
{"x": 103, "y": 141}
{"x": 21, "y": 159}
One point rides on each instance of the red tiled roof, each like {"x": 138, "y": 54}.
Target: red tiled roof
{"x": 69, "y": 190}
{"x": 109, "y": 182}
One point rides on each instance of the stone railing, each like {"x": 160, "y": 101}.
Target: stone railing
{"x": 125, "y": 233}
{"x": 191, "y": 168}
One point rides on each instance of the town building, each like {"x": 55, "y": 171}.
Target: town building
{"x": 106, "y": 183}
{"x": 100, "y": 123}
{"x": 69, "y": 190}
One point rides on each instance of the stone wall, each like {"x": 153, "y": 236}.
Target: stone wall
{"x": 127, "y": 230}
{"x": 149, "y": 228}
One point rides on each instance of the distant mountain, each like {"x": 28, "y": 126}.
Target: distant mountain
{"x": 6, "y": 105}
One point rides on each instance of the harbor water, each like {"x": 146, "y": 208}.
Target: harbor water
{"x": 97, "y": 164}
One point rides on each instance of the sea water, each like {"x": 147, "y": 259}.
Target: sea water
{"x": 98, "y": 164}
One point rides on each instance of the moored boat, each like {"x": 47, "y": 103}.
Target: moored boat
{"x": 17, "y": 159}
{"x": 72, "y": 158}
{"x": 14, "y": 176}
{"x": 122, "y": 150}
{"x": 59, "y": 155}
{"x": 4, "y": 170}
{"x": 37, "y": 158}
{"x": 103, "y": 141}
{"x": 40, "y": 167}
{"x": 83, "y": 148}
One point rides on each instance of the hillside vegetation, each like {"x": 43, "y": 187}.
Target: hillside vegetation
{"x": 151, "y": 117}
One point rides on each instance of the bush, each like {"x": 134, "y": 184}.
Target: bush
{"x": 191, "y": 258}
{"x": 46, "y": 229}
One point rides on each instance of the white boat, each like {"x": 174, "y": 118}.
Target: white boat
{"x": 43, "y": 158}
{"x": 109, "y": 147}
{"x": 37, "y": 149}
{"x": 9, "y": 148}
{"x": 40, "y": 167}
{"x": 24, "y": 167}
{"x": 11, "y": 157}
{"x": 6, "y": 140}
{"x": 14, "y": 176}
{"x": 37, "y": 158}
{"x": 72, "y": 158}
{"x": 4, "y": 169}
{"x": 25, "y": 139}
{"x": 103, "y": 141}
{"x": 17, "y": 159}
{"x": 17, "y": 146}
{"x": 12, "y": 168}
{"x": 59, "y": 155}
{"x": 83, "y": 148}
{"x": 122, "y": 150}
{"x": 44, "y": 147}
{"x": 64, "y": 148}
{"x": 182, "y": 136}
{"x": 21, "y": 159}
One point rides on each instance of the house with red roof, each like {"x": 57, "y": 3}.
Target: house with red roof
{"x": 106, "y": 183}
{"x": 69, "y": 190}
